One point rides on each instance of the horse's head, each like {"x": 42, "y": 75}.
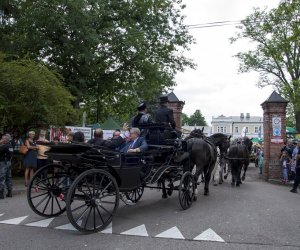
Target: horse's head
{"x": 222, "y": 141}
{"x": 197, "y": 133}
{"x": 248, "y": 143}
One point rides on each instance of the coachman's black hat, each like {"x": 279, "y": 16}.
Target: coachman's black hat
{"x": 163, "y": 99}
{"x": 141, "y": 106}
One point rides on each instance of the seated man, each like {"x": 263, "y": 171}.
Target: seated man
{"x": 98, "y": 140}
{"x": 136, "y": 143}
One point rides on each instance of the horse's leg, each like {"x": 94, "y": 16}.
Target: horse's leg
{"x": 215, "y": 174}
{"x": 238, "y": 174}
{"x": 207, "y": 180}
{"x": 228, "y": 170}
{"x": 233, "y": 174}
{"x": 164, "y": 195}
{"x": 221, "y": 172}
{"x": 245, "y": 170}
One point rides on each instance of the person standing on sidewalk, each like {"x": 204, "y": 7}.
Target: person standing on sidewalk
{"x": 5, "y": 166}
{"x": 297, "y": 177}
{"x": 30, "y": 159}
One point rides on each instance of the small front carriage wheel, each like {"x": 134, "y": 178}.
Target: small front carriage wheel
{"x": 135, "y": 195}
{"x": 186, "y": 190}
{"x": 92, "y": 200}
{"x": 46, "y": 190}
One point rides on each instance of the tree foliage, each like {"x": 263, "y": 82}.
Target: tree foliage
{"x": 110, "y": 53}
{"x": 31, "y": 95}
{"x": 196, "y": 119}
{"x": 276, "y": 34}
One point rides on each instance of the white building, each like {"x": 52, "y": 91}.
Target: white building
{"x": 237, "y": 126}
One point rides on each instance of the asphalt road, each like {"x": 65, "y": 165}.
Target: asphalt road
{"x": 258, "y": 215}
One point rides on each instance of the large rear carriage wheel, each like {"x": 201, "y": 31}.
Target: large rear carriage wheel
{"x": 46, "y": 189}
{"x": 186, "y": 190}
{"x": 92, "y": 200}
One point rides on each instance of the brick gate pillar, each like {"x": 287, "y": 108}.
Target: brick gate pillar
{"x": 274, "y": 120}
{"x": 176, "y": 105}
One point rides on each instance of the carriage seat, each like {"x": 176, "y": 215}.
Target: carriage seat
{"x": 158, "y": 134}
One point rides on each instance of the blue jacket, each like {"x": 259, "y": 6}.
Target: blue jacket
{"x": 140, "y": 143}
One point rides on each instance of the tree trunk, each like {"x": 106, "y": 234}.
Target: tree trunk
{"x": 297, "y": 118}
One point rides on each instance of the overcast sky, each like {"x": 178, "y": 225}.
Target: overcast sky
{"x": 216, "y": 87}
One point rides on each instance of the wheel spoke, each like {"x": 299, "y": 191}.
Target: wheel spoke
{"x": 94, "y": 212}
{"x": 87, "y": 185}
{"x": 39, "y": 195}
{"x": 100, "y": 214}
{"x": 100, "y": 184}
{"x": 94, "y": 180}
{"x": 46, "y": 204}
{"x": 58, "y": 203}
{"x": 80, "y": 217}
{"x": 77, "y": 208}
{"x": 106, "y": 187}
{"x": 105, "y": 210}
{"x": 87, "y": 218}
{"x": 52, "y": 203}
{"x": 108, "y": 202}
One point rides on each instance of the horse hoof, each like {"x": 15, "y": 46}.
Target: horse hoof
{"x": 243, "y": 178}
{"x": 195, "y": 198}
{"x": 237, "y": 185}
{"x": 206, "y": 193}
{"x": 215, "y": 184}
{"x": 170, "y": 192}
{"x": 232, "y": 184}
{"x": 164, "y": 196}
{"x": 225, "y": 177}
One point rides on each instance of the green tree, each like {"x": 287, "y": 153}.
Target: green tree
{"x": 32, "y": 95}
{"x": 110, "y": 53}
{"x": 276, "y": 34}
{"x": 196, "y": 119}
{"x": 185, "y": 119}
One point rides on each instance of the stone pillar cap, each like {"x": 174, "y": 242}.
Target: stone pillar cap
{"x": 275, "y": 98}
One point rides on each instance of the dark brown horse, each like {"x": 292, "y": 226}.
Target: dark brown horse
{"x": 202, "y": 152}
{"x": 239, "y": 158}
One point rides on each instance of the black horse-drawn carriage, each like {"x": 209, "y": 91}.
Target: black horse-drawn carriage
{"x": 89, "y": 181}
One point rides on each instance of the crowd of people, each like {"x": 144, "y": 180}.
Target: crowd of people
{"x": 125, "y": 141}
{"x": 290, "y": 163}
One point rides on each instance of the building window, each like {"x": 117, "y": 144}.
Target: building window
{"x": 221, "y": 129}
{"x": 256, "y": 130}
{"x": 236, "y": 129}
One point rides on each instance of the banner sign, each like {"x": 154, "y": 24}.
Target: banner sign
{"x": 85, "y": 130}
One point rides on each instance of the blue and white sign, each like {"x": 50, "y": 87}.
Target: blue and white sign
{"x": 276, "y": 125}
{"x": 276, "y": 132}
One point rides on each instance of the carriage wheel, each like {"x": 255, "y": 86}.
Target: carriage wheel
{"x": 186, "y": 190}
{"x": 92, "y": 200}
{"x": 46, "y": 189}
{"x": 135, "y": 195}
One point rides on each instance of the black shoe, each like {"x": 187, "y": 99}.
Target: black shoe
{"x": 9, "y": 193}
{"x": 294, "y": 191}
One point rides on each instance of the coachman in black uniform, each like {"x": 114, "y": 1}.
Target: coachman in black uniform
{"x": 142, "y": 117}
{"x": 163, "y": 114}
